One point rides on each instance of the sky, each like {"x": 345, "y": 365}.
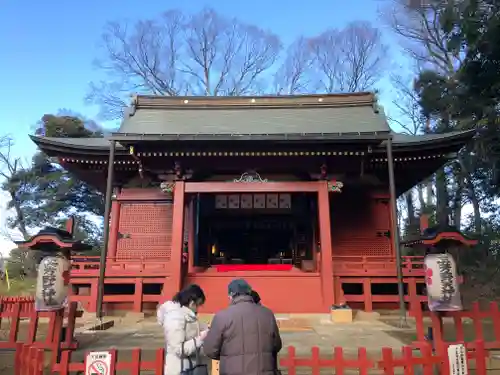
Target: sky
{"x": 48, "y": 48}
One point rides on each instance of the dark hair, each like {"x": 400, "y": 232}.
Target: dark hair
{"x": 191, "y": 293}
{"x": 255, "y": 296}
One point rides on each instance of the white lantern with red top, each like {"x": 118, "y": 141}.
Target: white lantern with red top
{"x": 442, "y": 283}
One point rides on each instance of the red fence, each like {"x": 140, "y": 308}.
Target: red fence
{"x": 467, "y": 326}
{"x": 19, "y": 312}
{"x": 30, "y": 361}
{"x": 8, "y": 304}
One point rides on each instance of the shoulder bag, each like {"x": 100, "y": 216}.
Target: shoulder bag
{"x": 198, "y": 369}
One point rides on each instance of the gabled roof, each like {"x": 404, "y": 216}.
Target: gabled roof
{"x": 302, "y": 118}
{"x": 269, "y": 115}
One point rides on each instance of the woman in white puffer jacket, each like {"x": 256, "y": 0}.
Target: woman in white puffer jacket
{"x": 183, "y": 336}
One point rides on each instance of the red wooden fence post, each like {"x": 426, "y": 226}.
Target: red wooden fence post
{"x": 54, "y": 342}
{"x": 314, "y": 361}
{"x": 477, "y": 322}
{"x": 427, "y": 366}
{"x": 387, "y": 362}
{"x": 114, "y": 359}
{"x": 39, "y": 362}
{"x": 159, "y": 362}
{"x": 33, "y": 327}
{"x": 495, "y": 317}
{"x": 135, "y": 365}
{"x": 18, "y": 359}
{"x": 15, "y": 319}
{"x": 63, "y": 365}
{"x": 364, "y": 363}
{"x": 480, "y": 355}
{"x": 289, "y": 361}
{"x": 70, "y": 328}
{"x": 419, "y": 320}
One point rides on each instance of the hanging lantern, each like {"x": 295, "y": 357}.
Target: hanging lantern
{"x": 52, "y": 285}
{"x": 441, "y": 280}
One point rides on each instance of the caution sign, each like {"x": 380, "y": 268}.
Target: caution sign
{"x": 457, "y": 357}
{"x": 98, "y": 363}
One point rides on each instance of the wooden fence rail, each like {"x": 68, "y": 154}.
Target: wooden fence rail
{"x": 20, "y": 315}
{"x": 8, "y": 304}
{"x": 30, "y": 361}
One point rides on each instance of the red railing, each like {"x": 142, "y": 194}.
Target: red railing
{"x": 376, "y": 265}
{"x": 88, "y": 266}
{"x": 366, "y": 299}
{"x": 29, "y": 361}
{"x": 83, "y": 266}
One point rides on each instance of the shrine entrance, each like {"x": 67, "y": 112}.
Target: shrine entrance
{"x": 255, "y": 229}
{"x": 269, "y": 233}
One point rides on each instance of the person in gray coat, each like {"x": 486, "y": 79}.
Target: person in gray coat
{"x": 244, "y": 337}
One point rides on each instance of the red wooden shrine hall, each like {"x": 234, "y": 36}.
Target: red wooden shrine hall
{"x": 296, "y": 194}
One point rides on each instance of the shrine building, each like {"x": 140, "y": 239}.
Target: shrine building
{"x": 295, "y": 194}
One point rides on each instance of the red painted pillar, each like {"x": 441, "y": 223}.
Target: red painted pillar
{"x": 113, "y": 229}
{"x": 326, "y": 244}
{"x": 367, "y": 292}
{"x": 92, "y": 306}
{"x": 190, "y": 224}
{"x": 177, "y": 239}
{"x": 138, "y": 295}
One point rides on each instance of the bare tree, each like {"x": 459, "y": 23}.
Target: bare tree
{"x": 408, "y": 114}
{"x": 205, "y": 54}
{"x": 421, "y": 36}
{"x": 293, "y": 75}
{"x": 348, "y": 60}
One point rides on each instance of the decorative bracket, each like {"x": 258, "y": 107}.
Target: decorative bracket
{"x": 123, "y": 235}
{"x": 335, "y": 186}
{"x": 250, "y": 177}
{"x": 167, "y": 187}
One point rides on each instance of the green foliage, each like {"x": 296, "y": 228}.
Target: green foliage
{"x": 43, "y": 193}
{"x": 470, "y": 97}
{"x": 18, "y": 287}
{"x": 23, "y": 262}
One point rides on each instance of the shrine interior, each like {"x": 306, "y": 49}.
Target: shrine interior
{"x": 255, "y": 229}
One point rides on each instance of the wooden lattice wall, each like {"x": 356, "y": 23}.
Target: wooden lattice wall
{"x": 145, "y": 231}
{"x": 360, "y": 224}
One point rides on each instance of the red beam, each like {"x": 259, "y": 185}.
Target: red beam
{"x": 252, "y": 187}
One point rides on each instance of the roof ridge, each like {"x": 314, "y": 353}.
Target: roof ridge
{"x": 254, "y": 102}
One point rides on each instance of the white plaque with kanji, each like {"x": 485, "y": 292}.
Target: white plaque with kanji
{"x": 457, "y": 357}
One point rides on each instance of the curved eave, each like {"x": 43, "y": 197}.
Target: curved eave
{"x": 93, "y": 146}
{"x": 443, "y": 236}
{"x": 37, "y": 242}
{"x": 401, "y": 143}
{"x": 453, "y": 140}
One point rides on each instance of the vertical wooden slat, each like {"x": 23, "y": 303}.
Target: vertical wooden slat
{"x": 177, "y": 237}
{"x": 326, "y": 244}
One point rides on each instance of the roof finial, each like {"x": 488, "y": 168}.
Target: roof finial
{"x": 133, "y": 104}
{"x": 376, "y": 105}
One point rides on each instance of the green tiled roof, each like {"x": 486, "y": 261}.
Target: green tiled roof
{"x": 258, "y": 121}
